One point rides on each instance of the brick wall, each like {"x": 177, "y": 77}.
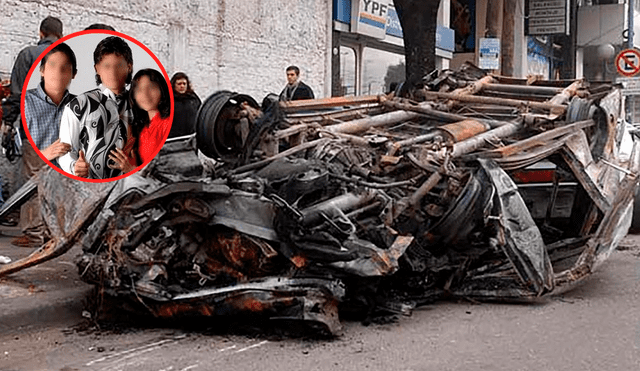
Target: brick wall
{"x": 242, "y": 45}
{"x": 238, "y": 45}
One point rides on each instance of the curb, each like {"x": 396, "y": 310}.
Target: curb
{"x": 47, "y": 294}
{"x": 43, "y": 309}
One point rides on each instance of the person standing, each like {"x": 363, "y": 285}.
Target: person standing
{"x": 50, "y": 31}
{"x": 185, "y": 106}
{"x": 295, "y": 89}
{"x": 151, "y": 104}
{"x": 96, "y": 122}
{"x": 43, "y": 105}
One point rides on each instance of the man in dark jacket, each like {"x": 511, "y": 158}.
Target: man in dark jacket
{"x": 50, "y": 31}
{"x": 295, "y": 88}
{"x": 185, "y": 106}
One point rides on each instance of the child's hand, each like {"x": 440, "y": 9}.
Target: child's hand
{"x": 81, "y": 167}
{"x": 121, "y": 161}
{"x": 56, "y": 149}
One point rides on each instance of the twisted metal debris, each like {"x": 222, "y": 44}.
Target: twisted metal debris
{"x": 481, "y": 186}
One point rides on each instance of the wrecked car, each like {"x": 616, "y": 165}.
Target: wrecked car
{"x": 480, "y": 186}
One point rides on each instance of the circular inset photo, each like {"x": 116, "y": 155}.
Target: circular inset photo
{"x": 97, "y": 105}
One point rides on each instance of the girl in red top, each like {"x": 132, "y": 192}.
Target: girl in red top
{"x": 151, "y": 120}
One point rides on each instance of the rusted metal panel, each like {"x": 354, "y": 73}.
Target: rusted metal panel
{"x": 541, "y": 139}
{"x": 311, "y": 104}
{"x": 65, "y": 220}
{"x": 459, "y": 131}
{"x": 523, "y": 105}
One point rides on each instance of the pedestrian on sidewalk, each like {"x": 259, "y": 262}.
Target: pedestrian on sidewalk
{"x": 50, "y": 31}
{"x": 295, "y": 88}
{"x": 185, "y": 106}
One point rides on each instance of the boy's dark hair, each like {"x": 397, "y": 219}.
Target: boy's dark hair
{"x": 62, "y": 48}
{"x": 294, "y": 69}
{"x": 51, "y": 26}
{"x": 177, "y": 76}
{"x": 100, "y": 26}
{"x": 113, "y": 45}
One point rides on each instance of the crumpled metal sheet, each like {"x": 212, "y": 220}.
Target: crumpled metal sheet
{"x": 65, "y": 219}
{"x": 313, "y": 301}
{"x": 376, "y": 206}
{"x": 523, "y": 244}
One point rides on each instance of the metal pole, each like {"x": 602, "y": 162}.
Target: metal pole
{"x": 630, "y": 16}
{"x": 364, "y": 124}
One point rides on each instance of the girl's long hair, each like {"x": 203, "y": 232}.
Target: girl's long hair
{"x": 140, "y": 116}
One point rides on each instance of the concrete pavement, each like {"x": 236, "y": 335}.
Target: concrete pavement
{"x": 50, "y": 293}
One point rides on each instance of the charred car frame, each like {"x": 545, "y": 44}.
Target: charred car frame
{"x": 480, "y": 186}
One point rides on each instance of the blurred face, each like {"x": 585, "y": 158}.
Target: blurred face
{"x": 57, "y": 72}
{"x": 113, "y": 70}
{"x": 292, "y": 77}
{"x": 181, "y": 86}
{"x": 147, "y": 94}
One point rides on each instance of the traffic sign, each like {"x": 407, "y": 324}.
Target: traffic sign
{"x": 628, "y": 62}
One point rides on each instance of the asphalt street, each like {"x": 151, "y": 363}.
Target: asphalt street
{"x": 593, "y": 327}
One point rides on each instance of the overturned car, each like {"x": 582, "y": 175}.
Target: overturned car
{"x": 480, "y": 186}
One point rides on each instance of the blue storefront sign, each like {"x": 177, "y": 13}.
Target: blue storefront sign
{"x": 342, "y": 11}
{"x": 393, "y": 23}
{"x": 445, "y": 37}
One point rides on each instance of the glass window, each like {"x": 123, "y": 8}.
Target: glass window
{"x": 381, "y": 70}
{"x": 347, "y": 71}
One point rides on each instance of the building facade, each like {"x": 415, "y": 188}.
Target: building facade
{"x": 238, "y": 45}
{"x": 343, "y": 47}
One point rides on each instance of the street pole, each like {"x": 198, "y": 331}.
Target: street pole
{"x": 630, "y": 16}
{"x": 630, "y": 100}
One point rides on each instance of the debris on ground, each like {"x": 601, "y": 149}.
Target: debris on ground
{"x": 481, "y": 187}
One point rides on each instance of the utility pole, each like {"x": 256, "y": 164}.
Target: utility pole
{"x": 568, "y": 42}
{"x": 419, "y": 20}
{"x": 507, "y": 40}
{"x": 631, "y": 14}
{"x": 494, "y": 19}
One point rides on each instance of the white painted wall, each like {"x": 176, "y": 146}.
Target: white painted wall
{"x": 238, "y": 45}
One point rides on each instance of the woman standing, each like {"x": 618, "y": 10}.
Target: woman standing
{"x": 186, "y": 104}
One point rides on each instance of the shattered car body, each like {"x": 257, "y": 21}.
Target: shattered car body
{"x": 481, "y": 187}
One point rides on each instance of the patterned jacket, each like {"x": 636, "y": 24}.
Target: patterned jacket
{"x": 95, "y": 122}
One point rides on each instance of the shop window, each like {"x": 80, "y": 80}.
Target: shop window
{"x": 538, "y": 56}
{"x": 633, "y": 109}
{"x": 347, "y": 71}
{"x": 381, "y": 70}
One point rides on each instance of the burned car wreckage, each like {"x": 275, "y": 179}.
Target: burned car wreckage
{"x": 480, "y": 186}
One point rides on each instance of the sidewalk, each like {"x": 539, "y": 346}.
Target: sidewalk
{"x": 46, "y": 294}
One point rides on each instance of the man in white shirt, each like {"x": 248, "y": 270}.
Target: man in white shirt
{"x": 96, "y": 122}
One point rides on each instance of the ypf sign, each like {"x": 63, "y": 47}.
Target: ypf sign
{"x": 628, "y": 62}
{"x": 369, "y": 17}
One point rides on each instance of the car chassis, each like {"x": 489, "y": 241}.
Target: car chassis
{"x": 480, "y": 186}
